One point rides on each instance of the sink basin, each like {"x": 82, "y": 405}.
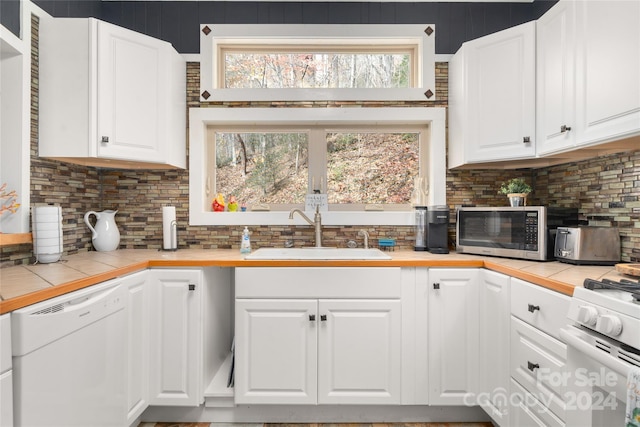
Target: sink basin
{"x": 317, "y": 254}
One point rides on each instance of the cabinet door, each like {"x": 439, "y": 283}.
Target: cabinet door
{"x": 501, "y": 95}
{"x": 131, "y": 80}
{"x": 276, "y": 351}
{"x": 453, "y": 336}
{"x": 6, "y": 373}
{"x": 138, "y": 322}
{"x": 494, "y": 345}
{"x": 176, "y": 339}
{"x": 608, "y": 66}
{"x": 555, "y": 79}
{"x": 359, "y": 352}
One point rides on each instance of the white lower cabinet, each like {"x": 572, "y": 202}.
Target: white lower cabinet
{"x": 527, "y": 411}
{"x": 138, "y": 323}
{"x": 317, "y": 336}
{"x": 318, "y": 351}
{"x": 454, "y": 343}
{"x": 175, "y": 368}
{"x": 538, "y": 357}
{"x": 494, "y": 346}
{"x": 6, "y": 373}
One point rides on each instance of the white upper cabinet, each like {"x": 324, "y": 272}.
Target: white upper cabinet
{"x": 608, "y": 70}
{"x": 110, "y": 96}
{"x": 492, "y": 98}
{"x": 588, "y": 90}
{"x": 555, "y": 79}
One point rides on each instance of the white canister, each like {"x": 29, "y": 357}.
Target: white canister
{"x": 47, "y": 233}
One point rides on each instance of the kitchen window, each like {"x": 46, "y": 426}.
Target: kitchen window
{"x": 358, "y": 168}
{"x": 317, "y": 62}
{"x": 271, "y": 158}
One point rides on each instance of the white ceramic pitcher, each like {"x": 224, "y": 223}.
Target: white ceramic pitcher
{"x": 106, "y": 236}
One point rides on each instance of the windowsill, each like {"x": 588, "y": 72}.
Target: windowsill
{"x": 282, "y": 218}
{"x": 261, "y": 95}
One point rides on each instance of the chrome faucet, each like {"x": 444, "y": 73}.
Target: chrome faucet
{"x": 317, "y": 223}
{"x": 365, "y": 234}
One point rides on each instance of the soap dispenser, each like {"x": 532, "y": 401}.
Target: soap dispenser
{"x": 245, "y": 243}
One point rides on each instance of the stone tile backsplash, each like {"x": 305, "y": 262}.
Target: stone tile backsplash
{"x": 606, "y": 190}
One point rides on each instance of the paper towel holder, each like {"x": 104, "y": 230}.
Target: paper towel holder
{"x": 174, "y": 237}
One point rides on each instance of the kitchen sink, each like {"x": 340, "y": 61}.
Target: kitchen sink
{"x": 313, "y": 253}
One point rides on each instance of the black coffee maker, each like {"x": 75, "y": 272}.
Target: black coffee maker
{"x": 437, "y": 225}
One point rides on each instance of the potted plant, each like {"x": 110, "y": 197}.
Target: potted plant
{"x": 516, "y": 190}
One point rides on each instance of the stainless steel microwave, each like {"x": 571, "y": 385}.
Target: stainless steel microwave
{"x": 526, "y": 232}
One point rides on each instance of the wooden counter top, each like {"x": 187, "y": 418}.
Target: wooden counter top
{"x": 24, "y": 285}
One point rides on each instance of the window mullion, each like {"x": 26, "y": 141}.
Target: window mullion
{"x": 317, "y": 159}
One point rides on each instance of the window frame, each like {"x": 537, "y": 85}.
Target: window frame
{"x": 201, "y": 193}
{"x": 420, "y": 37}
{"x": 318, "y": 164}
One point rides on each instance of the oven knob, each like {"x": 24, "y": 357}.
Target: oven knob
{"x": 609, "y": 324}
{"x": 587, "y": 315}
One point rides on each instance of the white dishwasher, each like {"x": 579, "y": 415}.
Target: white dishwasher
{"x": 69, "y": 359}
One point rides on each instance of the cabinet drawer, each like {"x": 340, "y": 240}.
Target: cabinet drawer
{"x": 528, "y": 411}
{"x": 318, "y": 282}
{"x": 538, "y": 363}
{"x": 545, "y": 309}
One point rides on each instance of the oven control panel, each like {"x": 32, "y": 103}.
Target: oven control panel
{"x": 612, "y": 324}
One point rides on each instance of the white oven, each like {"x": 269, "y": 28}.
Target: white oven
{"x": 603, "y": 345}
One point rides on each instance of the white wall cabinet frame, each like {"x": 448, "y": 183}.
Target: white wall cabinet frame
{"x": 110, "y": 96}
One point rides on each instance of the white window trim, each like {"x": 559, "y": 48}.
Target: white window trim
{"x": 317, "y": 34}
{"x": 201, "y": 195}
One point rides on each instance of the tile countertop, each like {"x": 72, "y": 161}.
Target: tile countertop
{"x": 28, "y": 284}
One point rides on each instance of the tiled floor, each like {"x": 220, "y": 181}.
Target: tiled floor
{"x": 317, "y": 425}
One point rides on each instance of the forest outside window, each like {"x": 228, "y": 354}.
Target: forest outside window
{"x": 356, "y": 168}
{"x": 317, "y": 62}
{"x": 270, "y": 159}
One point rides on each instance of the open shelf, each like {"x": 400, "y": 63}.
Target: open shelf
{"x": 7, "y": 239}
{"x": 217, "y": 394}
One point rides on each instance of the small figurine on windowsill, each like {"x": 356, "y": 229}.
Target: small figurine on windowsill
{"x": 233, "y": 204}
{"x": 218, "y": 203}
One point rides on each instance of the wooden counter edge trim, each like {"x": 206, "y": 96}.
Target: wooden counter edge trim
{"x": 57, "y": 290}
{"x": 545, "y": 282}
